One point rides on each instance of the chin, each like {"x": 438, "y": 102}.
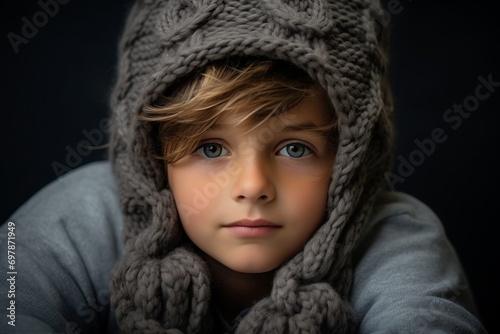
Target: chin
{"x": 254, "y": 268}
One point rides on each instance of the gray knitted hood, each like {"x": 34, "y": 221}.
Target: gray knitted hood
{"x": 160, "y": 283}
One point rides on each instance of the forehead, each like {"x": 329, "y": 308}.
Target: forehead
{"x": 312, "y": 111}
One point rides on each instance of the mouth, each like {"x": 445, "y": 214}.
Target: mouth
{"x": 248, "y": 228}
{"x": 255, "y": 223}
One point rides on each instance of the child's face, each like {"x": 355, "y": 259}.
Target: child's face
{"x": 252, "y": 199}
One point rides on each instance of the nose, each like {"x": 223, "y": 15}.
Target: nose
{"x": 255, "y": 182}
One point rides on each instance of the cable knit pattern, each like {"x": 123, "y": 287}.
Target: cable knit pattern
{"x": 161, "y": 285}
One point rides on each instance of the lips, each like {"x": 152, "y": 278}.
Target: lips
{"x": 252, "y": 223}
{"x": 248, "y": 228}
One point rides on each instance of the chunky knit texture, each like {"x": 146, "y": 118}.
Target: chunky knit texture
{"x": 161, "y": 284}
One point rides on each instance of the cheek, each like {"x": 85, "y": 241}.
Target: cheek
{"x": 193, "y": 194}
{"x": 310, "y": 192}
{"x": 182, "y": 188}
{"x": 311, "y": 205}
{"x": 178, "y": 188}
{"x": 307, "y": 202}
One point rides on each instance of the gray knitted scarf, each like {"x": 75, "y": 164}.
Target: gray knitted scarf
{"x": 161, "y": 284}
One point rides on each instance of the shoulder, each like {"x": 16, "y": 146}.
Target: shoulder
{"x": 399, "y": 217}
{"x": 392, "y": 204}
{"x": 90, "y": 186}
{"x": 81, "y": 206}
{"x": 401, "y": 221}
{"x": 67, "y": 240}
{"x": 78, "y": 210}
{"x": 407, "y": 274}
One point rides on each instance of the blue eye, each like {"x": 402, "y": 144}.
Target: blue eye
{"x": 295, "y": 150}
{"x": 212, "y": 150}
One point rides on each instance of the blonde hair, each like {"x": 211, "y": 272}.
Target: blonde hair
{"x": 262, "y": 88}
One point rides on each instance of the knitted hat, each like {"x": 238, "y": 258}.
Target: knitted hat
{"x": 160, "y": 283}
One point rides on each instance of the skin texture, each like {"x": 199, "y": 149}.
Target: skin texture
{"x": 278, "y": 172}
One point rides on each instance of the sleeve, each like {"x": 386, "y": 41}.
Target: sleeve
{"x": 407, "y": 276}
{"x": 63, "y": 243}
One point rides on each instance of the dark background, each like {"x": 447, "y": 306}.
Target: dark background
{"x": 55, "y": 90}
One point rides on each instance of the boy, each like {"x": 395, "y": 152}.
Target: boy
{"x": 249, "y": 145}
